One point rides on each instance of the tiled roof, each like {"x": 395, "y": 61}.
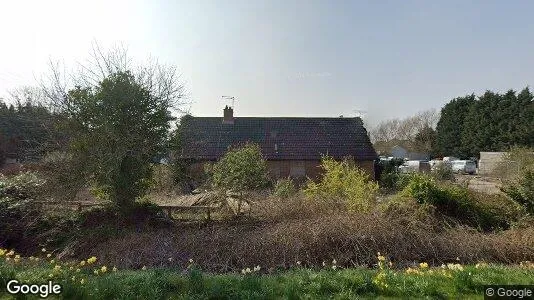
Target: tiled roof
{"x": 279, "y": 138}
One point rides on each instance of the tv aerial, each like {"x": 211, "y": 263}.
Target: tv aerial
{"x": 229, "y": 98}
{"x": 360, "y": 113}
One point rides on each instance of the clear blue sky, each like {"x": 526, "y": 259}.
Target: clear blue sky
{"x": 289, "y": 58}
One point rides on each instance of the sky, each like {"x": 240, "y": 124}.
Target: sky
{"x": 390, "y": 59}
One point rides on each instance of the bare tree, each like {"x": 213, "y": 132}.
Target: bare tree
{"x": 404, "y": 129}
{"x": 161, "y": 80}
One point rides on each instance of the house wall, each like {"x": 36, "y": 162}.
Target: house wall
{"x": 283, "y": 168}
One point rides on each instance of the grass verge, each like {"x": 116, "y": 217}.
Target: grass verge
{"x": 90, "y": 280}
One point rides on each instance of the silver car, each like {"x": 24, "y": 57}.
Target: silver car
{"x": 464, "y": 166}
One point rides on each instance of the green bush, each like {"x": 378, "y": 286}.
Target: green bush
{"x": 389, "y": 174}
{"x": 284, "y": 188}
{"x": 241, "y": 169}
{"x": 522, "y": 190}
{"x": 343, "y": 184}
{"x": 475, "y": 209}
{"x": 443, "y": 171}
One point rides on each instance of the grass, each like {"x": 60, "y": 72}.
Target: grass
{"x": 453, "y": 281}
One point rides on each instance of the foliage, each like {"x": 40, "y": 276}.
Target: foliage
{"x": 517, "y": 173}
{"x": 28, "y": 129}
{"x": 388, "y": 173}
{"x": 491, "y": 122}
{"x": 482, "y": 211}
{"x": 284, "y": 188}
{"x": 241, "y": 169}
{"x": 443, "y": 171}
{"x": 19, "y": 216}
{"x": 450, "y": 126}
{"x": 118, "y": 127}
{"x": 343, "y": 184}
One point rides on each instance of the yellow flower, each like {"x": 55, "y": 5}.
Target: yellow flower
{"x": 481, "y": 265}
{"x": 91, "y": 260}
{"x": 10, "y": 253}
{"x": 381, "y": 258}
{"x": 96, "y": 272}
{"x": 43, "y": 250}
{"x": 49, "y": 255}
{"x": 73, "y": 278}
{"x": 31, "y": 258}
{"x": 71, "y": 268}
{"x": 17, "y": 256}
{"x": 103, "y": 269}
{"x": 170, "y": 258}
{"x": 82, "y": 281}
{"x": 2, "y": 252}
{"x": 423, "y": 265}
{"x": 78, "y": 270}
{"x": 50, "y": 275}
{"x": 143, "y": 268}
{"x": 57, "y": 267}
{"x": 52, "y": 261}
{"x": 37, "y": 259}
{"x": 82, "y": 263}
{"x": 16, "y": 260}
{"x": 114, "y": 269}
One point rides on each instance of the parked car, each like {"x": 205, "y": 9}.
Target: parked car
{"x": 464, "y": 166}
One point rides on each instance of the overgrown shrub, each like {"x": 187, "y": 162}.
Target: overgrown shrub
{"x": 443, "y": 171}
{"x": 521, "y": 190}
{"x": 466, "y": 206}
{"x": 241, "y": 169}
{"x": 284, "y": 188}
{"x": 343, "y": 185}
{"x": 388, "y": 173}
{"x": 19, "y": 216}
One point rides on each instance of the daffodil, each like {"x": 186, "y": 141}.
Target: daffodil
{"x": 2, "y": 252}
{"x": 143, "y": 268}
{"x": 103, "y": 269}
{"x": 82, "y": 281}
{"x": 73, "y": 278}
{"x": 78, "y": 270}
{"x": 10, "y": 253}
{"x": 43, "y": 250}
{"x": 257, "y": 268}
{"x": 49, "y": 255}
{"x": 96, "y": 272}
{"x": 423, "y": 265}
{"x": 114, "y": 269}
{"x": 91, "y": 260}
{"x": 17, "y": 256}
{"x": 82, "y": 263}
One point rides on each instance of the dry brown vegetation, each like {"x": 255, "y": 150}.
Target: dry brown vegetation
{"x": 281, "y": 233}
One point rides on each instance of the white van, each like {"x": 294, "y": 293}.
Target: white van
{"x": 464, "y": 166}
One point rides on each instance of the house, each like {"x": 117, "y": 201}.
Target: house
{"x": 291, "y": 146}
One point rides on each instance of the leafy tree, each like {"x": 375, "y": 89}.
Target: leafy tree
{"x": 118, "y": 116}
{"x": 118, "y": 128}
{"x": 425, "y": 140}
{"x": 450, "y": 126}
{"x": 241, "y": 169}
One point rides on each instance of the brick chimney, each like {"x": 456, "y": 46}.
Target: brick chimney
{"x": 228, "y": 115}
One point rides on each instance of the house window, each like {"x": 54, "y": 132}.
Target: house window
{"x": 297, "y": 168}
